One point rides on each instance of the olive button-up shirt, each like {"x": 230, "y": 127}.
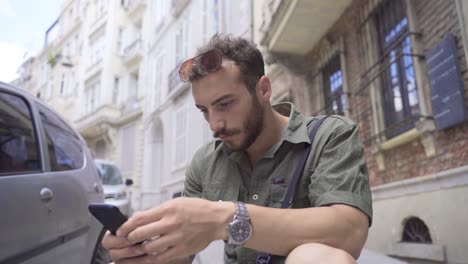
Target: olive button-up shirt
{"x": 335, "y": 172}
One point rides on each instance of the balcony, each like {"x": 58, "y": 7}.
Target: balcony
{"x": 135, "y": 9}
{"x": 133, "y": 53}
{"x": 295, "y": 26}
{"x": 177, "y": 6}
{"x": 175, "y": 84}
{"x": 93, "y": 124}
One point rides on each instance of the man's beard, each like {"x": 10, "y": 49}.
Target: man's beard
{"x": 252, "y": 127}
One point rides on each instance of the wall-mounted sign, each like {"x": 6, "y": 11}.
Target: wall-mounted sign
{"x": 448, "y": 102}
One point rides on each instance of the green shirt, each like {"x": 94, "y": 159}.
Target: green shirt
{"x": 335, "y": 172}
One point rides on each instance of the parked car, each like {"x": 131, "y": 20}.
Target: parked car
{"x": 115, "y": 188}
{"x": 47, "y": 180}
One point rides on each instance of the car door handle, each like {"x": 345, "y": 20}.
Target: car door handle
{"x": 46, "y": 194}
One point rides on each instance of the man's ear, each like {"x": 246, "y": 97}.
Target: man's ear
{"x": 264, "y": 88}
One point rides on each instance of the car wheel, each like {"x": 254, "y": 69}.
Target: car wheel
{"x": 101, "y": 255}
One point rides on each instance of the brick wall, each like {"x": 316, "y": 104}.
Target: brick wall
{"x": 435, "y": 19}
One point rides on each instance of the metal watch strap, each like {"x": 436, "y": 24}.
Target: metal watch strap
{"x": 241, "y": 211}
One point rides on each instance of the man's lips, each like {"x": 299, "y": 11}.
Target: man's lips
{"x": 225, "y": 137}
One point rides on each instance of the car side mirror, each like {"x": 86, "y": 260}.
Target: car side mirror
{"x": 128, "y": 182}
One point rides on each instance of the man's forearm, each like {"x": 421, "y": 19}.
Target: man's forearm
{"x": 279, "y": 231}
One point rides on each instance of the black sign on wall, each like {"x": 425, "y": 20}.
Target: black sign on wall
{"x": 448, "y": 102}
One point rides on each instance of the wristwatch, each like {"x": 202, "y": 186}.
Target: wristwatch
{"x": 239, "y": 229}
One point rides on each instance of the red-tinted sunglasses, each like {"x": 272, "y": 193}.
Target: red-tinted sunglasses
{"x": 209, "y": 61}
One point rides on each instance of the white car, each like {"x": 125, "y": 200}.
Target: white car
{"x": 115, "y": 188}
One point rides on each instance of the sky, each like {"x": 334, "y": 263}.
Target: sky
{"x": 23, "y": 24}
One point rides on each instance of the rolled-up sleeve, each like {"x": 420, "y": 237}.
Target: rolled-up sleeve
{"x": 341, "y": 175}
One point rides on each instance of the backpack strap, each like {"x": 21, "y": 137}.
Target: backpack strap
{"x": 265, "y": 258}
{"x": 286, "y": 203}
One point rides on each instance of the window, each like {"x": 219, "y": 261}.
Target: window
{"x": 128, "y": 147}
{"x": 97, "y": 48}
{"x": 333, "y": 87}
{"x": 210, "y": 18}
{"x": 159, "y": 11}
{"x": 62, "y": 85}
{"x": 18, "y": 143}
{"x": 416, "y": 231}
{"x": 92, "y": 95}
{"x": 181, "y": 43}
{"x": 399, "y": 90}
{"x": 64, "y": 146}
{"x": 180, "y": 136}
{"x": 115, "y": 91}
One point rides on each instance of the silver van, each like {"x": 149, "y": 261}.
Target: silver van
{"x": 47, "y": 179}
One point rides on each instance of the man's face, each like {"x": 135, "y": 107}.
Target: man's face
{"x": 234, "y": 114}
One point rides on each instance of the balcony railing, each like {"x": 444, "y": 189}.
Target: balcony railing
{"x": 133, "y": 51}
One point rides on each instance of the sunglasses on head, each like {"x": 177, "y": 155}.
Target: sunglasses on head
{"x": 209, "y": 61}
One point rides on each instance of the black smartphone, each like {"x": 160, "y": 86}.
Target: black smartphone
{"x": 109, "y": 215}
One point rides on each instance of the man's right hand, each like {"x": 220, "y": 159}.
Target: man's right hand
{"x": 120, "y": 248}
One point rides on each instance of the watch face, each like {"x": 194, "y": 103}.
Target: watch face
{"x": 240, "y": 231}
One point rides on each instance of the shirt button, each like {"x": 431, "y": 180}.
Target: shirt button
{"x": 255, "y": 197}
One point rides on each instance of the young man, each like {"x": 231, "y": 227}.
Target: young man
{"x": 251, "y": 164}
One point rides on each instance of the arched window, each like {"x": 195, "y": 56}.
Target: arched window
{"x": 416, "y": 231}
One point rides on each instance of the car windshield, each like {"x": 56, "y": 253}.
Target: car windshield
{"x": 110, "y": 174}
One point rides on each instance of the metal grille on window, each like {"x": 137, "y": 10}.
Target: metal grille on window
{"x": 416, "y": 231}
{"x": 386, "y": 31}
{"x": 333, "y": 87}
{"x": 400, "y": 99}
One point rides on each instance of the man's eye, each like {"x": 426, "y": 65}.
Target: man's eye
{"x": 224, "y": 105}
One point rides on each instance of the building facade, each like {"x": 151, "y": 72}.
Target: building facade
{"x": 90, "y": 71}
{"x": 398, "y": 68}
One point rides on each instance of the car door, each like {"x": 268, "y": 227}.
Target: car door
{"x": 75, "y": 183}
{"x": 26, "y": 226}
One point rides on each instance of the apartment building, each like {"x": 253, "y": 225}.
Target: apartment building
{"x": 398, "y": 68}
{"x": 90, "y": 70}
{"x": 173, "y": 128}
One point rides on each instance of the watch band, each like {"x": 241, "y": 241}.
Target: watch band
{"x": 241, "y": 211}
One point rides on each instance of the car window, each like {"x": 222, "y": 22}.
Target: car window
{"x": 65, "y": 147}
{"x": 19, "y": 152}
{"x": 110, "y": 174}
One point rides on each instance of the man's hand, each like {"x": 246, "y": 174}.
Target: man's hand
{"x": 120, "y": 248}
{"x": 177, "y": 229}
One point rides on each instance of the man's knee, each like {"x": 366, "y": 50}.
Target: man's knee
{"x": 318, "y": 253}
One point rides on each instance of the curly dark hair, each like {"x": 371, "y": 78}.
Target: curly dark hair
{"x": 242, "y": 52}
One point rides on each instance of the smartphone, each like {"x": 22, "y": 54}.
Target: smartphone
{"x": 109, "y": 215}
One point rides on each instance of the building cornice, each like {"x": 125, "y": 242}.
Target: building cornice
{"x": 439, "y": 181}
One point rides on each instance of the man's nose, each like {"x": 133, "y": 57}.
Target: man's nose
{"x": 216, "y": 123}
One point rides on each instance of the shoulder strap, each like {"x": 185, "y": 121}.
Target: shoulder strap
{"x": 286, "y": 203}
{"x": 265, "y": 258}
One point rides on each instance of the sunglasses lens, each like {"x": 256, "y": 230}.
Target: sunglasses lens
{"x": 185, "y": 69}
{"x": 211, "y": 60}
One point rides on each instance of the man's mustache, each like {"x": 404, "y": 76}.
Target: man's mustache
{"x": 226, "y": 132}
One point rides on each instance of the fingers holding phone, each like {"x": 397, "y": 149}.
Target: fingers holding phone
{"x": 121, "y": 247}
{"x": 111, "y": 218}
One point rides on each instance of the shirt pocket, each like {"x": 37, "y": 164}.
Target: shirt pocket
{"x": 300, "y": 198}
{"x": 277, "y": 192}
